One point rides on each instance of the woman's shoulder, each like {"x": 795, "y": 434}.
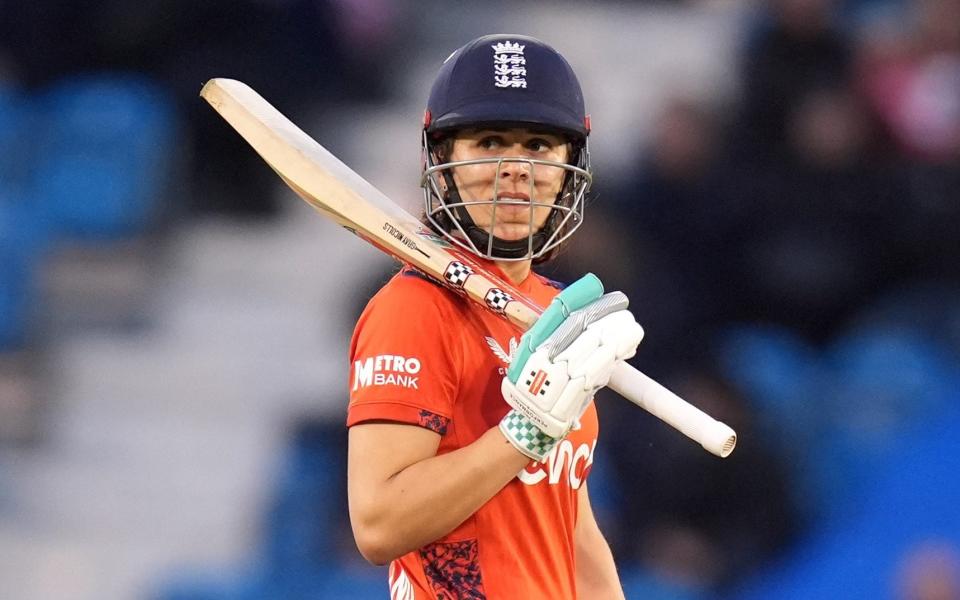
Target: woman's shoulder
{"x": 410, "y": 290}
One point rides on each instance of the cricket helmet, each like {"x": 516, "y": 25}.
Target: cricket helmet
{"x": 505, "y": 81}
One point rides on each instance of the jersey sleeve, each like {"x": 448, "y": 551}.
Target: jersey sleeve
{"x": 405, "y": 357}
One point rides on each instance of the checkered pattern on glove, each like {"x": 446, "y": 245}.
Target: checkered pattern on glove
{"x": 527, "y": 437}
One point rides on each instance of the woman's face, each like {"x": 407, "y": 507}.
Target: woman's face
{"x": 514, "y": 182}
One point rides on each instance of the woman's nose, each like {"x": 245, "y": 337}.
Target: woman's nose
{"x": 519, "y": 169}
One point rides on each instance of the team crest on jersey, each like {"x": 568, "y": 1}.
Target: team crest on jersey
{"x": 386, "y": 369}
{"x": 498, "y": 351}
{"x": 509, "y": 65}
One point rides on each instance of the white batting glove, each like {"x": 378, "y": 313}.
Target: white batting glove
{"x": 553, "y": 379}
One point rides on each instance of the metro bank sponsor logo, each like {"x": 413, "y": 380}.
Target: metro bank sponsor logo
{"x": 386, "y": 369}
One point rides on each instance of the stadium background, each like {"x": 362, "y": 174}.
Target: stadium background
{"x": 776, "y": 191}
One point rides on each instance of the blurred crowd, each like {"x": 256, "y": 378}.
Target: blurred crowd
{"x": 793, "y": 253}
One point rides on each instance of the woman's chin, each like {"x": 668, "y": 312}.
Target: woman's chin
{"x": 512, "y": 233}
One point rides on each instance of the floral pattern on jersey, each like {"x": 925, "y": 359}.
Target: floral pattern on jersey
{"x": 453, "y": 570}
{"x": 433, "y": 422}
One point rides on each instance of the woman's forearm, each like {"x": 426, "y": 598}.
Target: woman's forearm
{"x": 429, "y": 498}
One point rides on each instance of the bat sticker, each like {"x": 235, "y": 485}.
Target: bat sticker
{"x": 457, "y": 273}
{"x": 497, "y": 299}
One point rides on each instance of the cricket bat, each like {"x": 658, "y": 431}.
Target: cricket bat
{"x": 339, "y": 193}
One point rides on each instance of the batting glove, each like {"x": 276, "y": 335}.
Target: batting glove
{"x": 562, "y": 361}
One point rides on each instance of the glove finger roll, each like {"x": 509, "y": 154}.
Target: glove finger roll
{"x": 579, "y": 320}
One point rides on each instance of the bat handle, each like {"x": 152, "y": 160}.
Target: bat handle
{"x": 715, "y": 437}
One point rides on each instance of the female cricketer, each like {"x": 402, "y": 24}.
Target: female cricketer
{"x": 469, "y": 443}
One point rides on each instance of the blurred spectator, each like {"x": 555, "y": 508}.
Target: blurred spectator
{"x": 796, "y": 242}
{"x": 795, "y": 49}
{"x": 909, "y": 69}
{"x": 673, "y": 204}
{"x": 694, "y": 519}
{"x": 823, "y": 232}
{"x": 662, "y": 224}
{"x": 814, "y": 208}
{"x": 679, "y": 202}
{"x": 909, "y": 72}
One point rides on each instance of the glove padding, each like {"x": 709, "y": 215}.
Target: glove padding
{"x": 559, "y": 380}
{"x": 556, "y": 383}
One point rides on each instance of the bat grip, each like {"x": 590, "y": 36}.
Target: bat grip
{"x": 715, "y": 437}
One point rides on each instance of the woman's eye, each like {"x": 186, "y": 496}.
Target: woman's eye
{"x": 538, "y": 145}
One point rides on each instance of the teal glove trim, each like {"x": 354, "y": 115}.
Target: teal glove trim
{"x": 574, "y": 297}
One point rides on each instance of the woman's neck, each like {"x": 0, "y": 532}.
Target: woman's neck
{"x": 516, "y": 271}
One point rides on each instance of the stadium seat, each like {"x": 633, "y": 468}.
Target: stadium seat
{"x": 887, "y": 379}
{"x": 931, "y": 308}
{"x": 911, "y": 502}
{"x": 106, "y": 148}
{"x": 23, "y": 242}
{"x": 780, "y": 375}
{"x": 640, "y": 583}
{"x": 300, "y": 531}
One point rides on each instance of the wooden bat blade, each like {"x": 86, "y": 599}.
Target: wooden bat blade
{"x": 339, "y": 193}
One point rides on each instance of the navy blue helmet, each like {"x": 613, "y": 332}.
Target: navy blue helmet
{"x": 505, "y": 81}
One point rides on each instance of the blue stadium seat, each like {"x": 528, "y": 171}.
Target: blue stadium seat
{"x": 931, "y": 308}
{"x": 887, "y": 379}
{"x": 203, "y": 587}
{"x": 780, "y": 374}
{"x": 106, "y": 148}
{"x": 300, "y": 528}
{"x": 642, "y": 584}
{"x": 912, "y": 501}
{"x": 22, "y": 236}
{"x": 329, "y": 581}
{"x": 23, "y": 241}
{"x": 92, "y": 196}
{"x": 13, "y": 305}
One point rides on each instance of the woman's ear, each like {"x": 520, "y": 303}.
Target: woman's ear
{"x": 442, "y": 150}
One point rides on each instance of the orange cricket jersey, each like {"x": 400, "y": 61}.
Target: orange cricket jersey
{"x": 423, "y": 355}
